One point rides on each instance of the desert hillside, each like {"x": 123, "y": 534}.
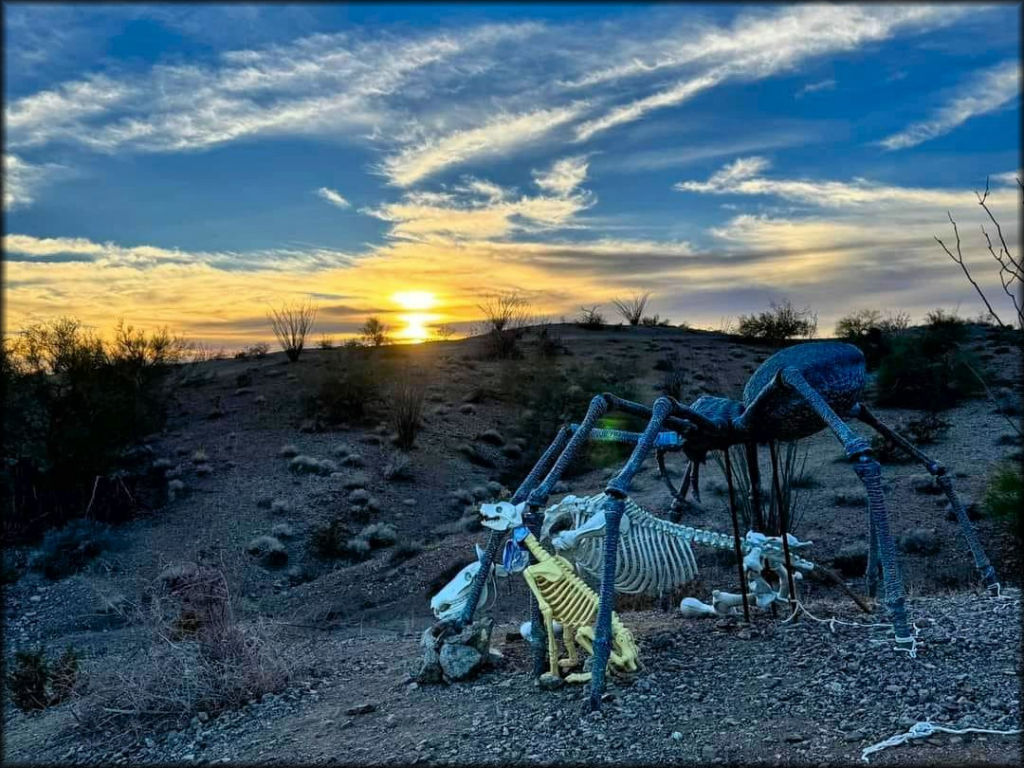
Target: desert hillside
{"x": 329, "y": 541}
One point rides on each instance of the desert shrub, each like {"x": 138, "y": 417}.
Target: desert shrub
{"x": 929, "y": 369}
{"x": 632, "y": 309}
{"x": 398, "y": 468}
{"x": 444, "y": 331}
{"x": 71, "y": 405}
{"x": 779, "y": 323}
{"x": 67, "y": 550}
{"x": 548, "y": 395}
{"x": 326, "y": 342}
{"x": 291, "y": 324}
{"x": 872, "y": 332}
{"x": 506, "y": 316}
{"x": 193, "y": 655}
{"x": 375, "y": 333}
{"x": 351, "y": 386}
{"x": 379, "y": 535}
{"x": 549, "y": 343}
{"x": 327, "y": 541}
{"x": 405, "y": 550}
{"x": 257, "y": 351}
{"x": 590, "y": 318}
{"x": 657, "y": 321}
{"x": 676, "y": 375}
{"x": 34, "y": 683}
{"x": 793, "y": 480}
{"x": 1004, "y": 495}
{"x": 405, "y": 407}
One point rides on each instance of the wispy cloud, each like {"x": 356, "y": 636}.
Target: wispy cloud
{"x": 145, "y": 257}
{"x": 741, "y": 178}
{"x": 985, "y": 92}
{"x": 23, "y": 180}
{"x": 821, "y": 85}
{"x": 500, "y": 134}
{"x": 564, "y": 176}
{"x": 333, "y": 197}
{"x": 760, "y": 45}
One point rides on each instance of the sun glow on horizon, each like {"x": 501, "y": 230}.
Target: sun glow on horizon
{"x": 415, "y": 300}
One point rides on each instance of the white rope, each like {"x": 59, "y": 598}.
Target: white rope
{"x": 923, "y": 730}
{"x": 833, "y": 621}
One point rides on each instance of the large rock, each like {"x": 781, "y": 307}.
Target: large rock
{"x": 459, "y": 662}
{"x": 450, "y": 655}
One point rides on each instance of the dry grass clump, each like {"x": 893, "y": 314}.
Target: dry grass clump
{"x": 195, "y": 656}
{"x": 405, "y": 407}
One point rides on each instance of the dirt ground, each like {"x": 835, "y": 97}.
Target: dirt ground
{"x": 784, "y": 694}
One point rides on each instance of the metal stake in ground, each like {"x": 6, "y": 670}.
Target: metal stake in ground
{"x": 736, "y": 537}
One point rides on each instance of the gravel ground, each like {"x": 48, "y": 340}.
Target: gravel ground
{"x": 708, "y": 692}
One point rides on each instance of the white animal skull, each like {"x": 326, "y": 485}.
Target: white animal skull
{"x": 451, "y": 600}
{"x": 503, "y": 516}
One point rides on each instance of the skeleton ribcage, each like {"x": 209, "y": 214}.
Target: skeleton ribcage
{"x": 571, "y": 600}
{"x": 654, "y": 557}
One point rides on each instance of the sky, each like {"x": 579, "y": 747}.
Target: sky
{"x": 192, "y": 165}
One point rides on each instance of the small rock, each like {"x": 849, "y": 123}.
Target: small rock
{"x": 491, "y": 437}
{"x": 288, "y": 451}
{"x": 361, "y": 709}
{"x": 359, "y": 497}
{"x": 677, "y": 736}
{"x": 282, "y": 531}
{"x": 549, "y": 682}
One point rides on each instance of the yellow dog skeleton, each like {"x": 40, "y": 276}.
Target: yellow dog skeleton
{"x": 563, "y": 597}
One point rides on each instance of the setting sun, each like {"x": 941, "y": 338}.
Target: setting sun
{"x": 415, "y": 300}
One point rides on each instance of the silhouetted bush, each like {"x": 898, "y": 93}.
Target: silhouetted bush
{"x": 928, "y": 369}
{"x": 590, "y": 318}
{"x": 291, "y": 324}
{"x": 872, "y": 332}
{"x": 506, "y": 316}
{"x": 405, "y": 407}
{"x": 351, "y": 385}
{"x": 375, "y": 333}
{"x": 656, "y": 321}
{"x": 632, "y": 309}
{"x": 779, "y": 323}
{"x": 71, "y": 405}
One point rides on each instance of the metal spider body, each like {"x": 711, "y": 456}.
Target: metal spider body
{"x": 795, "y": 393}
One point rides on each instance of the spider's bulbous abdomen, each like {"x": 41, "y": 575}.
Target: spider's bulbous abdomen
{"x": 720, "y": 410}
{"x": 834, "y": 369}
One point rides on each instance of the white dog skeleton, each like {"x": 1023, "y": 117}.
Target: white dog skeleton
{"x": 655, "y": 557}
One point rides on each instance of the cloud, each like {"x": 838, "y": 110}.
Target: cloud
{"x": 760, "y": 45}
{"x": 677, "y": 94}
{"x": 821, "y": 85}
{"x": 499, "y": 135}
{"x": 741, "y": 178}
{"x": 333, "y": 197}
{"x": 23, "y": 181}
{"x": 985, "y": 92}
{"x": 564, "y": 176}
{"x": 478, "y": 209}
{"x": 145, "y": 257}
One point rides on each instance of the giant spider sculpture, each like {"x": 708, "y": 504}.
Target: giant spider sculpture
{"x": 795, "y": 393}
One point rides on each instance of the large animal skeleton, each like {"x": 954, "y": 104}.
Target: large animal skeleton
{"x": 564, "y": 597}
{"x": 655, "y": 555}
{"x": 795, "y": 393}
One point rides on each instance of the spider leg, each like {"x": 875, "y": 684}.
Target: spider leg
{"x": 495, "y": 538}
{"x": 870, "y": 473}
{"x": 945, "y": 482}
{"x": 616, "y": 491}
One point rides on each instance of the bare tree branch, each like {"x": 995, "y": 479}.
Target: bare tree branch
{"x": 959, "y": 259}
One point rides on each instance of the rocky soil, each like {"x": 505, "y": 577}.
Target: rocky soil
{"x": 350, "y": 632}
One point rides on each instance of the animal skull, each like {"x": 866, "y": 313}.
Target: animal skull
{"x": 502, "y": 516}
{"x": 450, "y": 601}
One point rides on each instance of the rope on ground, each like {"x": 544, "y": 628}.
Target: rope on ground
{"x": 923, "y": 730}
{"x": 833, "y": 621}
